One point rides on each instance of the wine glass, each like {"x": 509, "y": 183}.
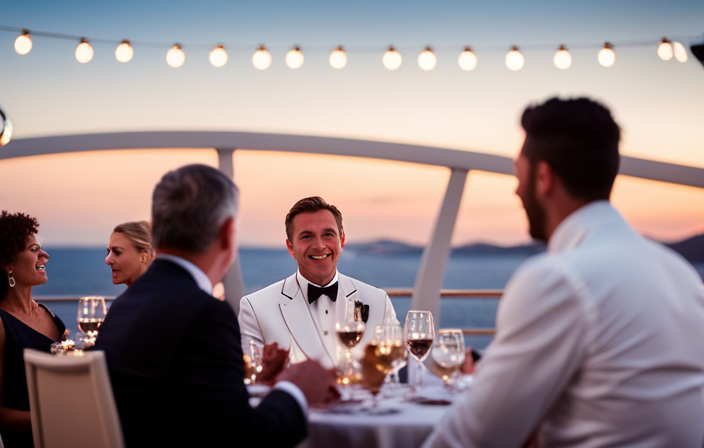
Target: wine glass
{"x": 419, "y": 333}
{"x": 253, "y": 362}
{"x": 379, "y": 356}
{"x": 448, "y": 353}
{"x": 349, "y": 333}
{"x": 91, "y": 314}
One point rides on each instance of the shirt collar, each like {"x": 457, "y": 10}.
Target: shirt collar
{"x": 574, "y": 228}
{"x": 199, "y": 276}
{"x": 304, "y": 282}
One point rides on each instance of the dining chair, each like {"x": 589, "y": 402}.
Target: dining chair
{"x": 71, "y": 401}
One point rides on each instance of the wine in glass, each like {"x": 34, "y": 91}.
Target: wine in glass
{"x": 419, "y": 333}
{"x": 349, "y": 333}
{"x": 448, "y": 353}
{"x": 379, "y": 359}
{"x": 91, "y": 314}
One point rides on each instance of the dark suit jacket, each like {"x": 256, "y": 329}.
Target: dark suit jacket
{"x": 176, "y": 367}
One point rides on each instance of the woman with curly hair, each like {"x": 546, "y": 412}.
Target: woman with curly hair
{"x": 23, "y": 322}
{"x": 130, "y": 251}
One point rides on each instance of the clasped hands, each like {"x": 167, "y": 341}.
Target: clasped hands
{"x": 319, "y": 385}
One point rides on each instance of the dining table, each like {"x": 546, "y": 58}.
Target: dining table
{"x": 402, "y": 418}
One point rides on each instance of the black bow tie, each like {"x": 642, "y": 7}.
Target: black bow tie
{"x": 314, "y": 292}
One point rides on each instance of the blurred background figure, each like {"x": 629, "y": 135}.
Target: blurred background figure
{"x": 23, "y": 322}
{"x": 130, "y": 251}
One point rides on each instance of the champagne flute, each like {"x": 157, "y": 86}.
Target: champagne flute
{"x": 448, "y": 353}
{"x": 419, "y": 333}
{"x": 91, "y": 314}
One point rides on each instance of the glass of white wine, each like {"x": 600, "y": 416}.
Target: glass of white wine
{"x": 379, "y": 360}
{"x": 419, "y": 333}
{"x": 91, "y": 315}
{"x": 448, "y": 353}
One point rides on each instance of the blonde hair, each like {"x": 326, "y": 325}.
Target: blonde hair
{"x": 139, "y": 233}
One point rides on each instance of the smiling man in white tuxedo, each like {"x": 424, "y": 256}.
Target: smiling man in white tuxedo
{"x": 300, "y": 313}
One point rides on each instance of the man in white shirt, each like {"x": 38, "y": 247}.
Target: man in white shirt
{"x": 599, "y": 341}
{"x": 300, "y": 313}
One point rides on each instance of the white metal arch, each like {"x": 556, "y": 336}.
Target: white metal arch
{"x": 431, "y": 272}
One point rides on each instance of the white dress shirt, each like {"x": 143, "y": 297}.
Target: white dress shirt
{"x": 325, "y": 314}
{"x": 599, "y": 342}
{"x": 206, "y": 285}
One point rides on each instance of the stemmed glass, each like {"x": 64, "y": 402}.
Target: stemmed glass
{"x": 91, "y": 314}
{"x": 379, "y": 358}
{"x": 253, "y": 362}
{"x": 349, "y": 333}
{"x": 448, "y": 353}
{"x": 419, "y": 333}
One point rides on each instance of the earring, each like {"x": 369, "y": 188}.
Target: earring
{"x": 11, "y": 280}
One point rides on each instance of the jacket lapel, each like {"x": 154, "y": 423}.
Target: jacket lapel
{"x": 300, "y": 324}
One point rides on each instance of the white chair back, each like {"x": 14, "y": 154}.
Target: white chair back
{"x": 71, "y": 400}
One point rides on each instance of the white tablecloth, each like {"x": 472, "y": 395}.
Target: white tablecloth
{"x": 405, "y": 429}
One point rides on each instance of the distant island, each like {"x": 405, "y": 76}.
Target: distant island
{"x": 691, "y": 248}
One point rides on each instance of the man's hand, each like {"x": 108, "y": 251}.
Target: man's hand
{"x": 317, "y": 384}
{"x": 273, "y": 363}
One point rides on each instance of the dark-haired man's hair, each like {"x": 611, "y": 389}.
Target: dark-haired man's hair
{"x": 579, "y": 139}
{"x": 311, "y": 205}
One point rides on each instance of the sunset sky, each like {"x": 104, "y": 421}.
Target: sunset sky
{"x": 78, "y": 198}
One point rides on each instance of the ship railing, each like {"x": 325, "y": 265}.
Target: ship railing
{"x": 488, "y": 294}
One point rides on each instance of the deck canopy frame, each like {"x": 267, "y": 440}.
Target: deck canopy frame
{"x": 426, "y": 292}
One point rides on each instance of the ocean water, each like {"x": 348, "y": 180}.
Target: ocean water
{"x": 75, "y": 272}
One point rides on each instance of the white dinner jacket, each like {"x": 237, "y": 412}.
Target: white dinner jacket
{"x": 279, "y": 313}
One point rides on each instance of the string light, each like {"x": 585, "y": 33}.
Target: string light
{"x": 218, "y": 56}
{"x": 427, "y": 59}
{"x": 562, "y": 58}
{"x": 294, "y": 58}
{"x": 124, "y": 51}
{"x": 23, "y": 43}
{"x": 175, "y": 57}
{"x": 467, "y": 59}
{"x": 261, "y": 59}
{"x": 606, "y": 56}
{"x": 665, "y": 50}
{"x": 338, "y": 58}
{"x": 84, "y": 52}
{"x": 392, "y": 59}
{"x": 679, "y": 51}
{"x": 514, "y": 59}
{"x": 6, "y": 130}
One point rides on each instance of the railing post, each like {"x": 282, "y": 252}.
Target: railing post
{"x": 233, "y": 281}
{"x": 431, "y": 272}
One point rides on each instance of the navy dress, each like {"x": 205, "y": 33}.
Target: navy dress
{"x": 19, "y": 336}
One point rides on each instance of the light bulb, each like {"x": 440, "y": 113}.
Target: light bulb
{"x": 392, "y": 59}
{"x": 338, "y": 58}
{"x": 562, "y": 58}
{"x": 427, "y": 59}
{"x": 6, "y": 129}
{"x": 679, "y": 51}
{"x": 175, "y": 57}
{"x": 514, "y": 59}
{"x": 84, "y": 52}
{"x": 606, "y": 56}
{"x": 218, "y": 56}
{"x": 294, "y": 58}
{"x": 665, "y": 50}
{"x": 124, "y": 51}
{"x": 467, "y": 59}
{"x": 261, "y": 59}
{"x": 23, "y": 43}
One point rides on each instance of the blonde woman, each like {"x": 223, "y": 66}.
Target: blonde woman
{"x": 130, "y": 251}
